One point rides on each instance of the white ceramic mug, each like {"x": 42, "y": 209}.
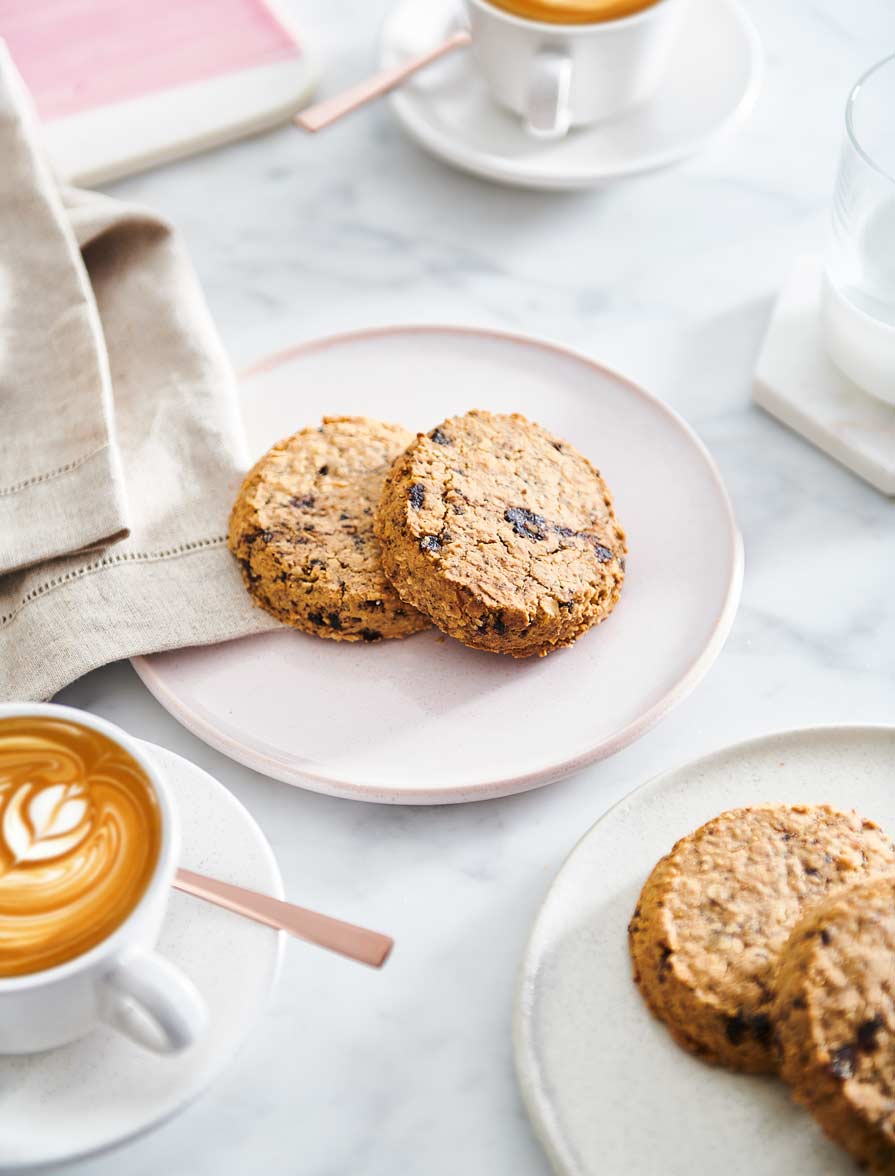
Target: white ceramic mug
{"x": 121, "y": 981}
{"x": 558, "y": 76}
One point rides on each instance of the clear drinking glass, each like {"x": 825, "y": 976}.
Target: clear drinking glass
{"x": 859, "y": 293}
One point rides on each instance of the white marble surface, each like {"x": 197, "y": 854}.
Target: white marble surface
{"x": 670, "y": 279}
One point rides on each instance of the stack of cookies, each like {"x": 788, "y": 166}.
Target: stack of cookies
{"x": 765, "y": 941}
{"x": 488, "y": 527}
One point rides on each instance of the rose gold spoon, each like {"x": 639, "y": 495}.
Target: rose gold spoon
{"x": 322, "y": 114}
{"x": 357, "y": 943}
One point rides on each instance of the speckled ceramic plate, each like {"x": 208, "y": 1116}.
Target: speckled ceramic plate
{"x": 426, "y": 720}
{"x": 102, "y": 1090}
{"x": 608, "y": 1091}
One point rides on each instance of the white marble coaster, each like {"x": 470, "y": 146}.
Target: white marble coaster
{"x": 797, "y": 382}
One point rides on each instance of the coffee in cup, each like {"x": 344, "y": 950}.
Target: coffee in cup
{"x": 572, "y": 11}
{"x": 79, "y": 839}
{"x": 89, "y": 844}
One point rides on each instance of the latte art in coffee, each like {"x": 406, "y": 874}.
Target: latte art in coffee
{"x": 79, "y": 838}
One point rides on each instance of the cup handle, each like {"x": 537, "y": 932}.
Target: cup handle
{"x": 547, "y": 112}
{"x": 151, "y": 1002}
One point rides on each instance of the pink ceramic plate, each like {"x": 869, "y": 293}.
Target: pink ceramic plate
{"x": 425, "y": 720}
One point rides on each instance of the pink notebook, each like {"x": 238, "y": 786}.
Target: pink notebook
{"x": 79, "y": 54}
{"x": 84, "y": 58}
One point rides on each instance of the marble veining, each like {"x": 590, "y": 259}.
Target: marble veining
{"x": 670, "y": 279}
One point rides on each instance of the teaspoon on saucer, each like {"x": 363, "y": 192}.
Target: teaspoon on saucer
{"x": 322, "y": 114}
{"x": 357, "y": 943}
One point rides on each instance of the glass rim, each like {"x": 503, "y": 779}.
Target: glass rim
{"x": 850, "y": 104}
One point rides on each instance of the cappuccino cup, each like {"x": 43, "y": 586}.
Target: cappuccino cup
{"x": 562, "y": 75}
{"x": 89, "y": 842}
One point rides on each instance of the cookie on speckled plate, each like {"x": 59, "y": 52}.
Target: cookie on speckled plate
{"x": 834, "y": 1015}
{"x": 714, "y": 915}
{"x": 302, "y": 530}
{"x": 503, "y": 534}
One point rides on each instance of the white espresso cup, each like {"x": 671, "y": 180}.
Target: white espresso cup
{"x": 121, "y": 981}
{"x": 558, "y": 76}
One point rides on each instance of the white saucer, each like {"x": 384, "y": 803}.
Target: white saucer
{"x": 608, "y": 1091}
{"x": 711, "y": 83}
{"x": 86, "y": 1097}
{"x": 426, "y": 720}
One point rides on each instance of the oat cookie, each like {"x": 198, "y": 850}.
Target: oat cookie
{"x": 302, "y": 530}
{"x": 715, "y": 913}
{"x": 834, "y": 1014}
{"x": 502, "y": 533}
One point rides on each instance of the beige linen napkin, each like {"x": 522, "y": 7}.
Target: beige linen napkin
{"x": 60, "y": 486}
{"x": 120, "y": 444}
